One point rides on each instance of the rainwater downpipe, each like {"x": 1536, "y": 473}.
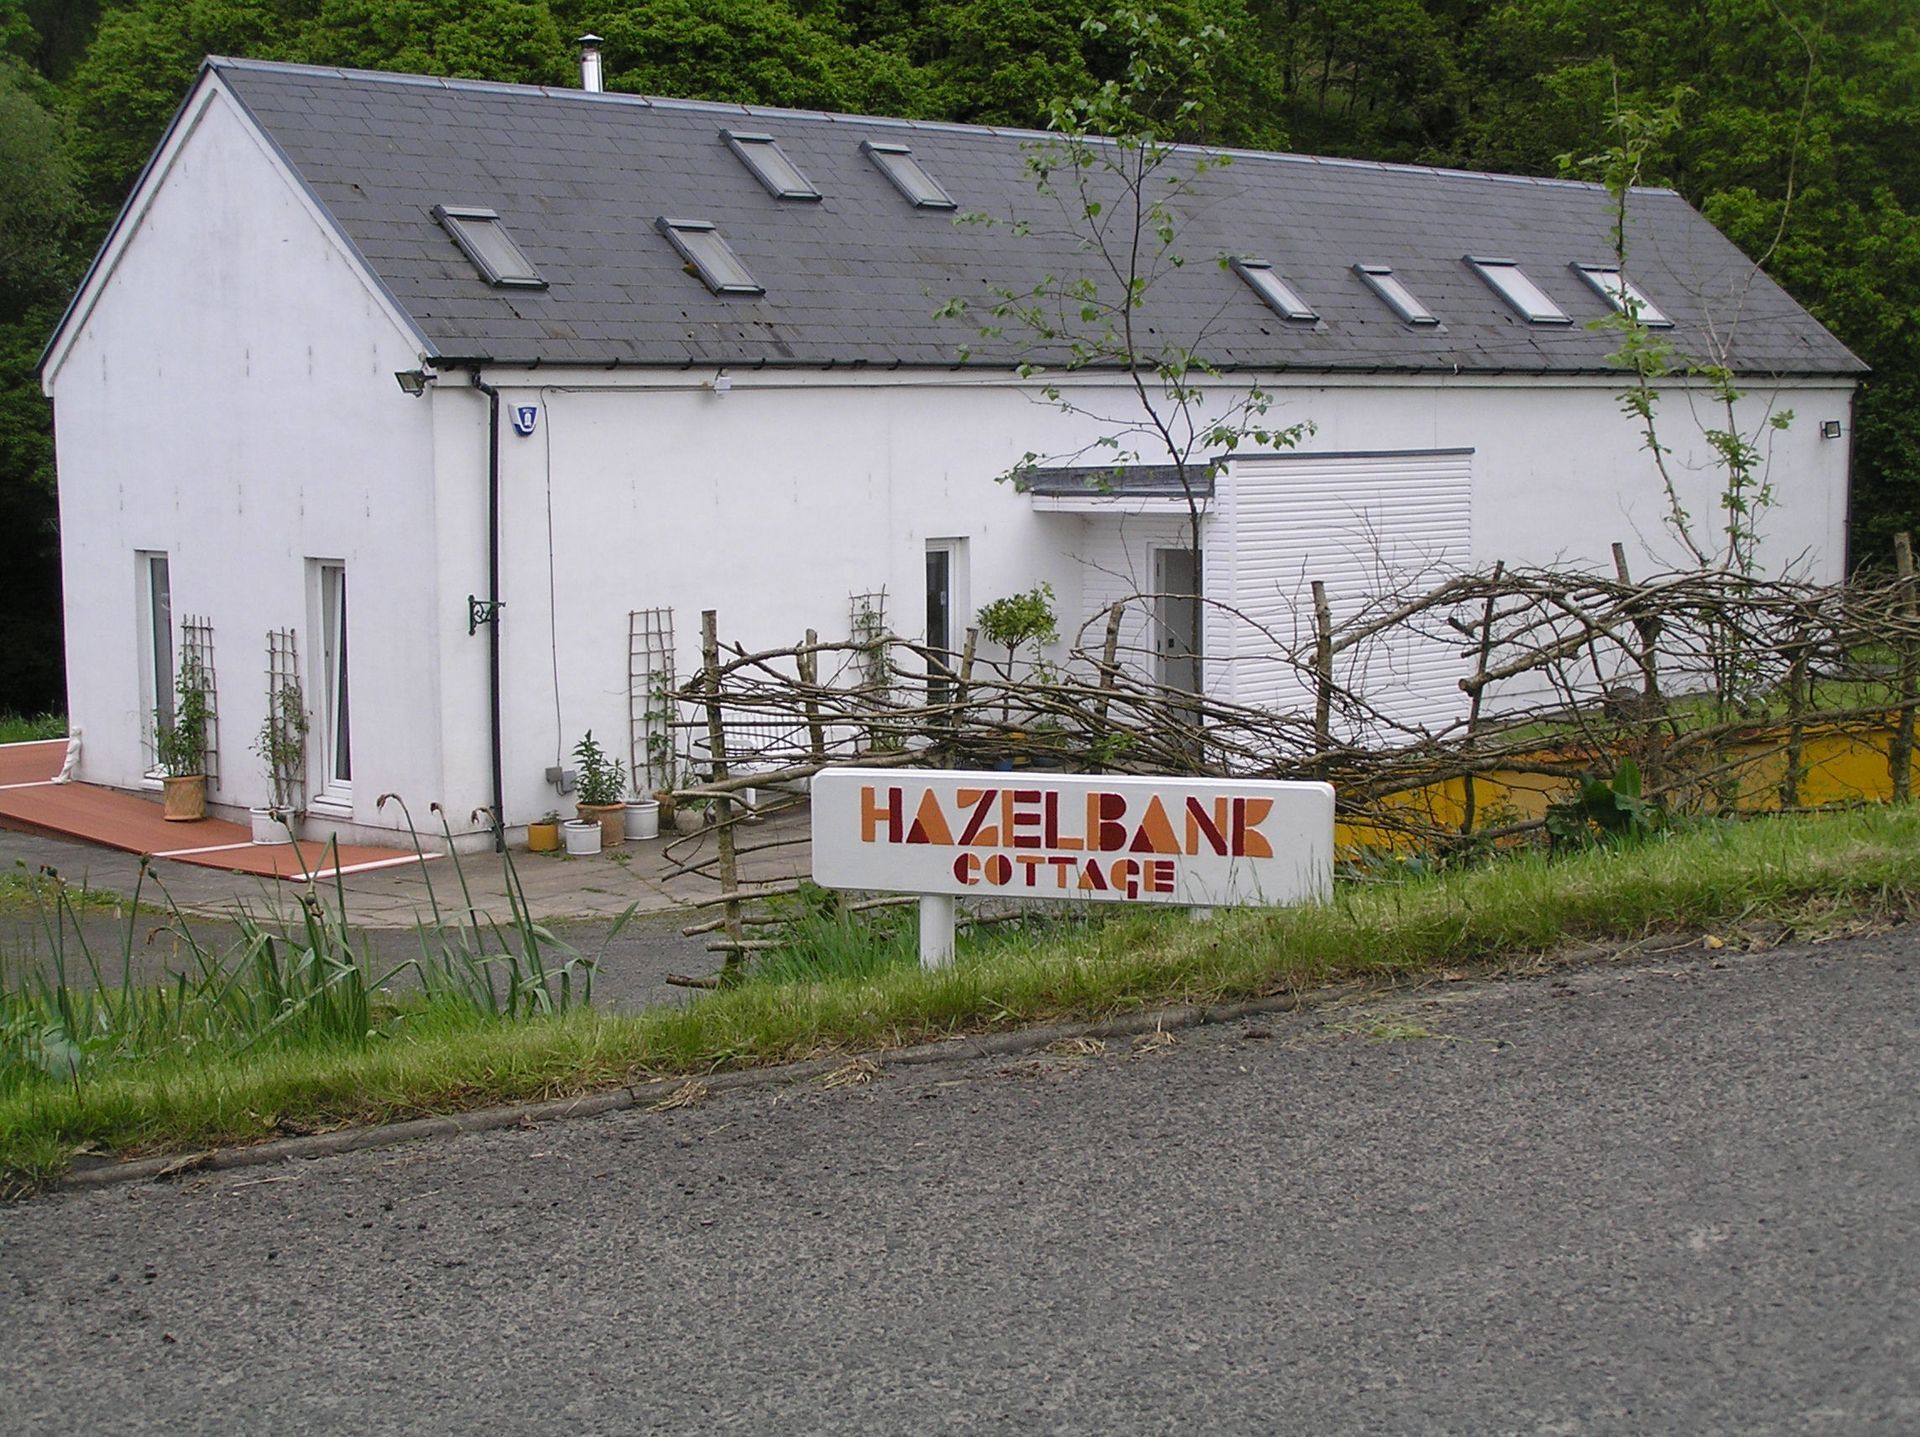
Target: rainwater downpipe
{"x": 492, "y": 613}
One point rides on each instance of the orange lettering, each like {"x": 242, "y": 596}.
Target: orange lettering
{"x": 1065, "y": 842}
{"x": 930, "y": 824}
{"x": 1200, "y": 825}
{"x": 1019, "y": 810}
{"x": 1155, "y": 834}
{"x": 1248, "y": 814}
{"x": 978, "y": 833}
{"x": 1105, "y": 832}
{"x": 871, "y": 814}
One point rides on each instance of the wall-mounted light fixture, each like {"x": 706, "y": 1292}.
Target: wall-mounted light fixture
{"x": 414, "y": 381}
{"x": 720, "y": 383}
{"x": 1829, "y": 428}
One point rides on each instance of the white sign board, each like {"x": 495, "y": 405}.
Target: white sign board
{"x": 1206, "y": 842}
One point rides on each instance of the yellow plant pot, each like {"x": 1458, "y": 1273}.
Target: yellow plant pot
{"x": 184, "y": 798}
{"x": 543, "y": 838}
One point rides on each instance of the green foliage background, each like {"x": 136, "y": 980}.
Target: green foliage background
{"x": 1801, "y": 139}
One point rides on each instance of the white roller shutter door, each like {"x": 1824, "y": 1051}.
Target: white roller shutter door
{"x": 1365, "y": 525}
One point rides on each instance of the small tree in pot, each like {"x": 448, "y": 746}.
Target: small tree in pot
{"x": 180, "y": 746}
{"x": 601, "y": 786}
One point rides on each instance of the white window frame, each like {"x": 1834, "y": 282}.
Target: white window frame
{"x": 331, "y": 663}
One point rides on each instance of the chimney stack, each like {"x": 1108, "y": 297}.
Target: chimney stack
{"x": 590, "y": 64}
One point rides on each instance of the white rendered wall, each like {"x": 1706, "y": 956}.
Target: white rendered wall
{"x": 229, "y": 399}
{"x": 775, "y": 502}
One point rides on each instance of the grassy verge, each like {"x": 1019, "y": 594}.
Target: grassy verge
{"x": 26, "y": 728}
{"x": 22, "y": 892}
{"x": 1800, "y": 873}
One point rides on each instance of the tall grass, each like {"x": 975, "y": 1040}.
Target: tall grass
{"x": 27, "y": 728}
{"x": 1772, "y": 876}
{"x": 77, "y": 1014}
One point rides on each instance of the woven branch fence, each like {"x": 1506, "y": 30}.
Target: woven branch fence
{"x": 1727, "y": 692}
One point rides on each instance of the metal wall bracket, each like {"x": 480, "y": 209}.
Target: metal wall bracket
{"x": 482, "y": 611}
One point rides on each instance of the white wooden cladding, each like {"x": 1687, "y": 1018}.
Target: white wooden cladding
{"x": 1367, "y": 526}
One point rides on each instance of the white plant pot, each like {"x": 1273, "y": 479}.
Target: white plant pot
{"x": 582, "y": 837}
{"x": 643, "y": 818}
{"x": 271, "y": 825}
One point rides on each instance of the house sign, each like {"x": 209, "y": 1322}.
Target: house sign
{"x": 1098, "y": 838}
{"x": 525, "y": 416}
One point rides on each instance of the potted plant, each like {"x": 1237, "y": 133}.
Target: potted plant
{"x": 643, "y": 815}
{"x": 602, "y": 780}
{"x": 543, "y": 834}
{"x": 282, "y": 746}
{"x": 180, "y": 746}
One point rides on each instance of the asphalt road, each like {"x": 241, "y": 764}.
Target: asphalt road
{"x": 1676, "y": 1194}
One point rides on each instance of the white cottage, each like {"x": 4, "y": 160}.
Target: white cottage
{"x": 419, "y": 391}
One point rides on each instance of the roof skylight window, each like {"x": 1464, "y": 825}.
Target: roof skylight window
{"x": 897, "y": 163}
{"x": 1398, "y": 297}
{"x": 712, "y": 258}
{"x": 485, "y": 241}
{"x": 1277, "y": 293}
{"x": 1621, "y": 292}
{"x": 1510, "y": 282}
{"x": 762, "y": 154}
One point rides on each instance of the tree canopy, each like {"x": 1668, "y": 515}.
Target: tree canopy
{"x": 1799, "y": 137}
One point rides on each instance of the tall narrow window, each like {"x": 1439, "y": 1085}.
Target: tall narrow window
{"x": 946, "y": 597}
{"x": 156, "y": 650}
{"x": 330, "y": 655}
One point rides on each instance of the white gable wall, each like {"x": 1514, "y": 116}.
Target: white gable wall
{"x": 227, "y": 397}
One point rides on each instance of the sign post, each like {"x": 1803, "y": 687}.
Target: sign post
{"x": 1101, "y": 838}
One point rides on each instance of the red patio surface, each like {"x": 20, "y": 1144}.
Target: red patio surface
{"x": 31, "y": 801}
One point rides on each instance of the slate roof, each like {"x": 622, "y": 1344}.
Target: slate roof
{"x": 855, "y": 278}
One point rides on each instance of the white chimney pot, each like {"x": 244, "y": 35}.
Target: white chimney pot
{"x": 590, "y": 64}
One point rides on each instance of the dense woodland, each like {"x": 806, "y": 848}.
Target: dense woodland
{"x": 1799, "y": 136}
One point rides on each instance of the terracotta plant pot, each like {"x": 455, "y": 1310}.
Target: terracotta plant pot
{"x": 543, "y": 838}
{"x": 185, "y": 797}
{"x": 612, "y": 818}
